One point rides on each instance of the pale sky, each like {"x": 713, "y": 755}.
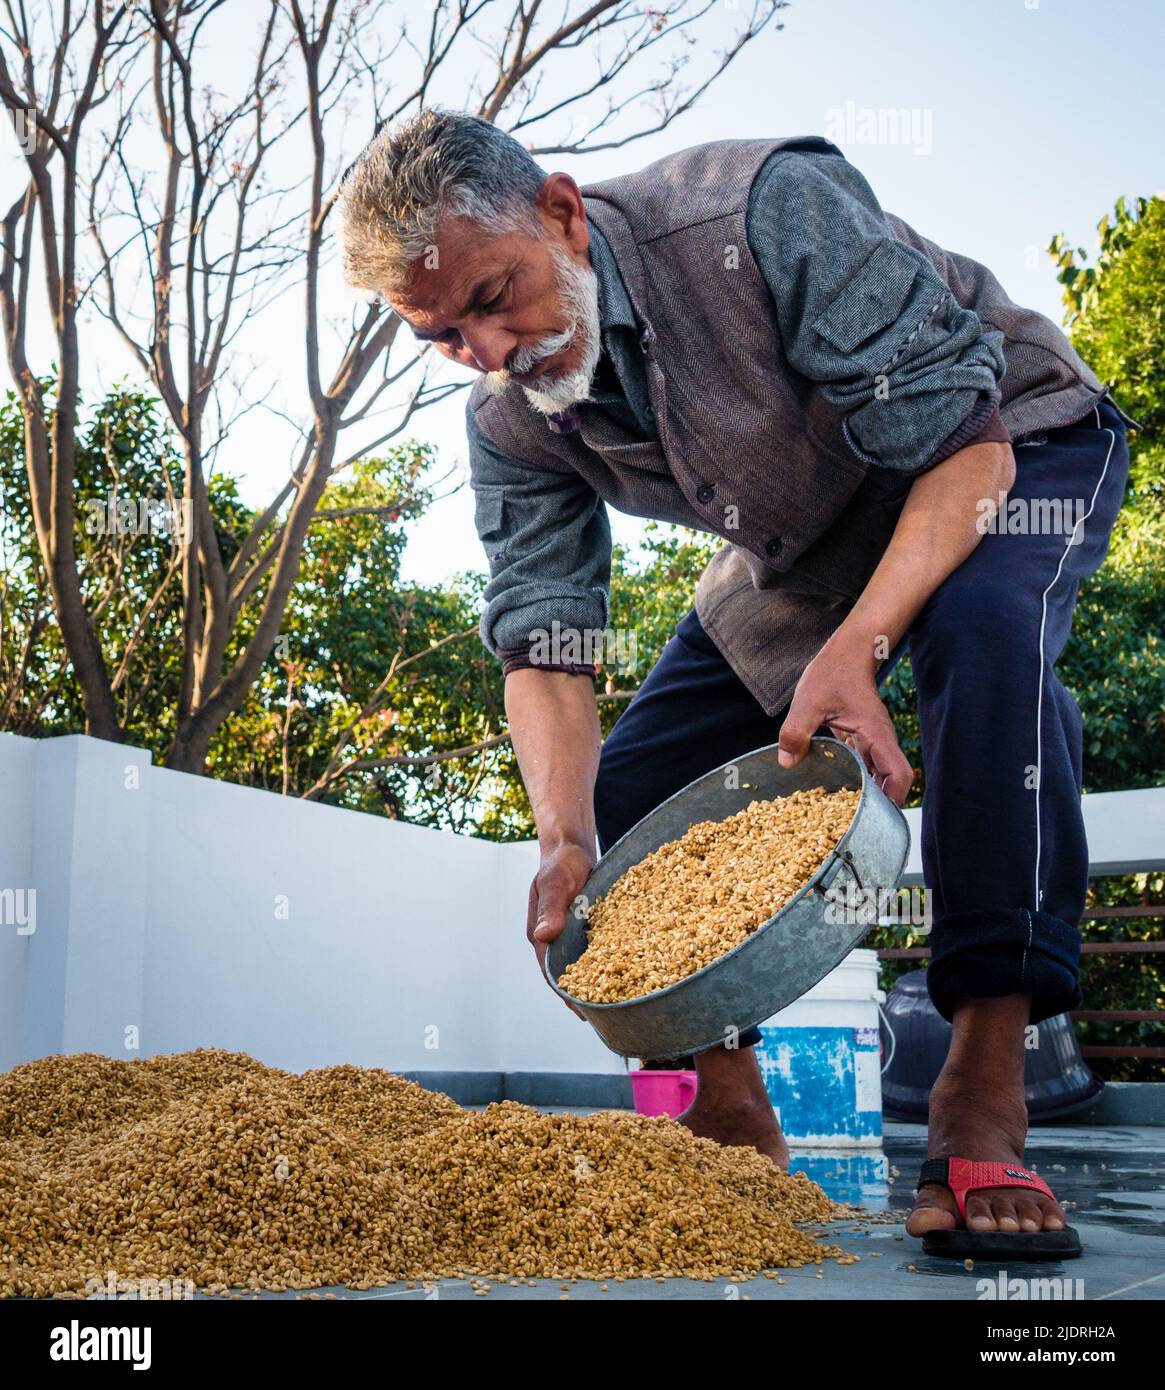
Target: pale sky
{"x": 1032, "y": 116}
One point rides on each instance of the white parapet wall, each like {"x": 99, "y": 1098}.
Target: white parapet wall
{"x": 145, "y": 911}
{"x": 1126, "y": 833}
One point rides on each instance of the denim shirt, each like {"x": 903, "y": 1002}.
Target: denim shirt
{"x": 813, "y": 222}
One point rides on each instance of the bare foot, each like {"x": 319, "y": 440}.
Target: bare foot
{"x": 732, "y": 1105}
{"x": 977, "y": 1112}
{"x": 748, "y": 1126}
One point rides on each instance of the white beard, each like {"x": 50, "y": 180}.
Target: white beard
{"x": 579, "y": 287}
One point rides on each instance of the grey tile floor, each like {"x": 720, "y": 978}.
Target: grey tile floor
{"x": 1113, "y": 1177}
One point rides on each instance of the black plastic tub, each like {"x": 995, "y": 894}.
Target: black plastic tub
{"x": 915, "y": 1039}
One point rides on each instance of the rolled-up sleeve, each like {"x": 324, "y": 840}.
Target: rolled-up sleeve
{"x": 867, "y": 319}
{"x": 548, "y": 542}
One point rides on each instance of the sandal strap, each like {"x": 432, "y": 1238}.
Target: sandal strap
{"x": 964, "y": 1175}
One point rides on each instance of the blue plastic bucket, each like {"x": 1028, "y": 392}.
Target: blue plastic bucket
{"x": 821, "y": 1059}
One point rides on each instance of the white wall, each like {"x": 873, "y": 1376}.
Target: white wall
{"x": 205, "y": 914}
{"x": 17, "y": 792}
{"x": 1126, "y": 833}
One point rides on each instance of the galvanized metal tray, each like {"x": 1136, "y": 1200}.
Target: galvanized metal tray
{"x": 784, "y": 957}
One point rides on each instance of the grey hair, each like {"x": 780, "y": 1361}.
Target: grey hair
{"x": 439, "y": 164}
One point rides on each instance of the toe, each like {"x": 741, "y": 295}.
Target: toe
{"x": 934, "y": 1210}
{"x": 1002, "y": 1209}
{"x": 1030, "y": 1213}
{"x": 980, "y": 1216}
{"x": 1004, "y": 1212}
{"x": 1052, "y": 1216}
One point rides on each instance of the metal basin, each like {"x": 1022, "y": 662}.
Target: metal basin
{"x": 786, "y": 955}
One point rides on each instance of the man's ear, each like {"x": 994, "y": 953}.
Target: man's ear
{"x": 560, "y": 204}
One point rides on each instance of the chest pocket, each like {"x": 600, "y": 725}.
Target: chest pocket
{"x": 489, "y": 516}
{"x": 488, "y": 513}
{"x": 871, "y": 300}
{"x": 645, "y": 457}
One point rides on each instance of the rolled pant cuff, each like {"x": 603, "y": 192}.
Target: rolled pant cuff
{"x": 988, "y": 955}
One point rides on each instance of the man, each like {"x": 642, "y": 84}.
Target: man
{"x": 739, "y": 339}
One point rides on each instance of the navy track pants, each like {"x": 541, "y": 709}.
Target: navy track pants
{"x": 1003, "y": 847}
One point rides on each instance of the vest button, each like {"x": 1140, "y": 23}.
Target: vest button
{"x": 773, "y": 547}
{"x": 705, "y": 492}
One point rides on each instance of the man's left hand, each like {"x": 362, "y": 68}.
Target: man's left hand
{"x": 838, "y": 689}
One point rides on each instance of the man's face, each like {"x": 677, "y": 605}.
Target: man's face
{"x": 516, "y": 306}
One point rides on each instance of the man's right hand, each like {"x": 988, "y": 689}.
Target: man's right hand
{"x": 554, "y": 723}
{"x": 559, "y": 880}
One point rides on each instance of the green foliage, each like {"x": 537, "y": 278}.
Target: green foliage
{"x": 1115, "y": 660}
{"x": 349, "y": 621}
{"x": 1116, "y": 320}
{"x": 347, "y": 618}
{"x": 127, "y": 473}
{"x": 1116, "y": 308}
{"x": 322, "y": 700}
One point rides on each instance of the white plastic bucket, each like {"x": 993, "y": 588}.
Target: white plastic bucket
{"x": 821, "y": 1059}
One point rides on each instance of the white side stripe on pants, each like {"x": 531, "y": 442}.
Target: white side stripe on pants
{"x": 1037, "y": 896}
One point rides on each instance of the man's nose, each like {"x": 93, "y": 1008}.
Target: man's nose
{"x": 488, "y": 348}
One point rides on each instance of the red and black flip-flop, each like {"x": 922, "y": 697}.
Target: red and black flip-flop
{"x": 963, "y": 1175}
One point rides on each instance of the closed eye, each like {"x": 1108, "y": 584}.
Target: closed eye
{"x": 447, "y": 336}
{"x": 496, "y": 302}
{"x": 478, "y": 307}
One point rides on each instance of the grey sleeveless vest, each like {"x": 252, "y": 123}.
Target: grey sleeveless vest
{"x": 743, "y": 451}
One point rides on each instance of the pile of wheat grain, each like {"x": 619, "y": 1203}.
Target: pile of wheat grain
{"x": 698, "y": 897}
{"x": 209, "y": 1167}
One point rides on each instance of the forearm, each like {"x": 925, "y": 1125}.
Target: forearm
{"x": 554, "y": 725}
{"x": 937, "y": 530}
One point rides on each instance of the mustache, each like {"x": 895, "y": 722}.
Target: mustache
{"x": 579, "y": 301}
{"x": 522, "y": 361}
